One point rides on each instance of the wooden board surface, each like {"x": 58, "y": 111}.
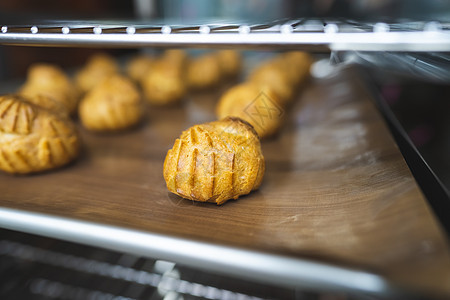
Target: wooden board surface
{"x": 336, "y": 188}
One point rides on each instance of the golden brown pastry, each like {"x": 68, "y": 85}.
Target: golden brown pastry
{"x": 215, "y": 162}
{"x": 51, "y": 81}
{"x": 297, "y": 65}
{"x": 255, "y": 104}
{"x": 230, "y": 62}
{"x": 138, "y": 66}
{"x": 97, "y": 68}
{"x": 176, "y": 56}
{"x": 48, "y": 103}
{"x": 114, "y": 104}
{"x": 164, "y": 84}
{"x": 273, "y": 76}
{"x": 32, "y": 138}
{"x": 204, "y": 72}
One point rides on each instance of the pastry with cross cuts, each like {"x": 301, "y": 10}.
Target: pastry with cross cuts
{"x": 215, "y": 162}
{"x": 33, "y": 138}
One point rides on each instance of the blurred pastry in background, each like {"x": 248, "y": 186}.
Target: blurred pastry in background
{"x": 297, "y": 65}
{"x": 178, "y": 57}
{"x": 50, "y": 81}
{"x": 34, "y": 139}
{"x": 255, "y": 104}
{"x": 97, "y": 68}
{"x": 114, "y": 104}
{"x": 204, "y": 72}
{"x": 165, "y": 84}
{"x": 138, "y": 66}
{"x": 273, "y": 75}
{"x": 230, "y": 62}
{"x": 215, "y": 162}
{"x": 48, "y": 103}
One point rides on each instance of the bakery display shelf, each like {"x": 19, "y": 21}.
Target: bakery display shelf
{"x": 305, "y": 34}
{"x": 338, "y": 208}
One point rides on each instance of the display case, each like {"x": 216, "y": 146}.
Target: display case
{"x": 348, "y": 207}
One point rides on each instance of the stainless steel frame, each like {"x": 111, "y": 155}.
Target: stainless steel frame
{"x": 261, "y": 267}
{"x": 310, "y": 34}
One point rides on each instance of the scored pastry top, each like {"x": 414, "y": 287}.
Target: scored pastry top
{"x": 215, "y": 162}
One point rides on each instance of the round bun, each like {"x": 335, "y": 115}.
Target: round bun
{"x": 255, "y": 104}
{"x": 50, "y": 81}
{"x": 32, "y": 138}
{"x": 230, "y": 62}
{"x": 138, "y": 66}
{"x": 273, "y": 76}
{"x": 99, "y": 67}
{"x": 215, "y": 162}
{"x": 204, "y": 72}
{"x": 114, "y": 104}
{"x": 164, "y": 84}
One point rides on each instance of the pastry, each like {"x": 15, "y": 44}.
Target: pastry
{"x": 48, "y": 103}
{"x": 164, "y": 84}
{"x": 230, "y": 62}
{"x": 271, "y": 74}
{"x": 32, "y": 138}
{"x": 50, "y": 81}
{"x": 255, "y": 104}
{"x": 138, "y": 66}
{"x": 204, "y": 72}
{"x": 215, "y": 162}
{"x": 178, "y": 57}
{"x": 98, "y": 67}
{"x": 297, "y": 65}
{"x": 114, "y": 104}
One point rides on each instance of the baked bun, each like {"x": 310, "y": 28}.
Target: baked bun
{"x": 164, "y": 84}
{"x": 297, "y": 65}
{"x": 230, "y": 62}
{"x": 272, "y": 75}
{"x": 177, "y": 57}
{"x": 48, "y": 103}
{"x": 215, "y": 162}
{"x": 32, "y": 138}
{"x": 114, "y": 104}
{"x": 97, "y": 68}
{"x": 258, "y": 105}
{"x": 204, "y": 72}
{"x": 51, "y": 81}
{"x": 138, "y": 66}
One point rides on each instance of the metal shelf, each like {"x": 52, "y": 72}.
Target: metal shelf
{"x": 304, "y": 34}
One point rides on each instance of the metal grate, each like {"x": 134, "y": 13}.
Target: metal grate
{"x": 33, "y": 267}
{"x": 302, "y": 34}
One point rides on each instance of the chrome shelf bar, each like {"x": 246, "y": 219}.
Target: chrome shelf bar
{"x": 310, "y": 34}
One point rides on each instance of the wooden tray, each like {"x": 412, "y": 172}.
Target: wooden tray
{"x": 336, "y": 189}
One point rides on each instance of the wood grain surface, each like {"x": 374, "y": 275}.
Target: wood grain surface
{"x": 336, "y": 188}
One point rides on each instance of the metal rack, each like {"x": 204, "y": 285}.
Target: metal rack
{"x": 302, "y": 34}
